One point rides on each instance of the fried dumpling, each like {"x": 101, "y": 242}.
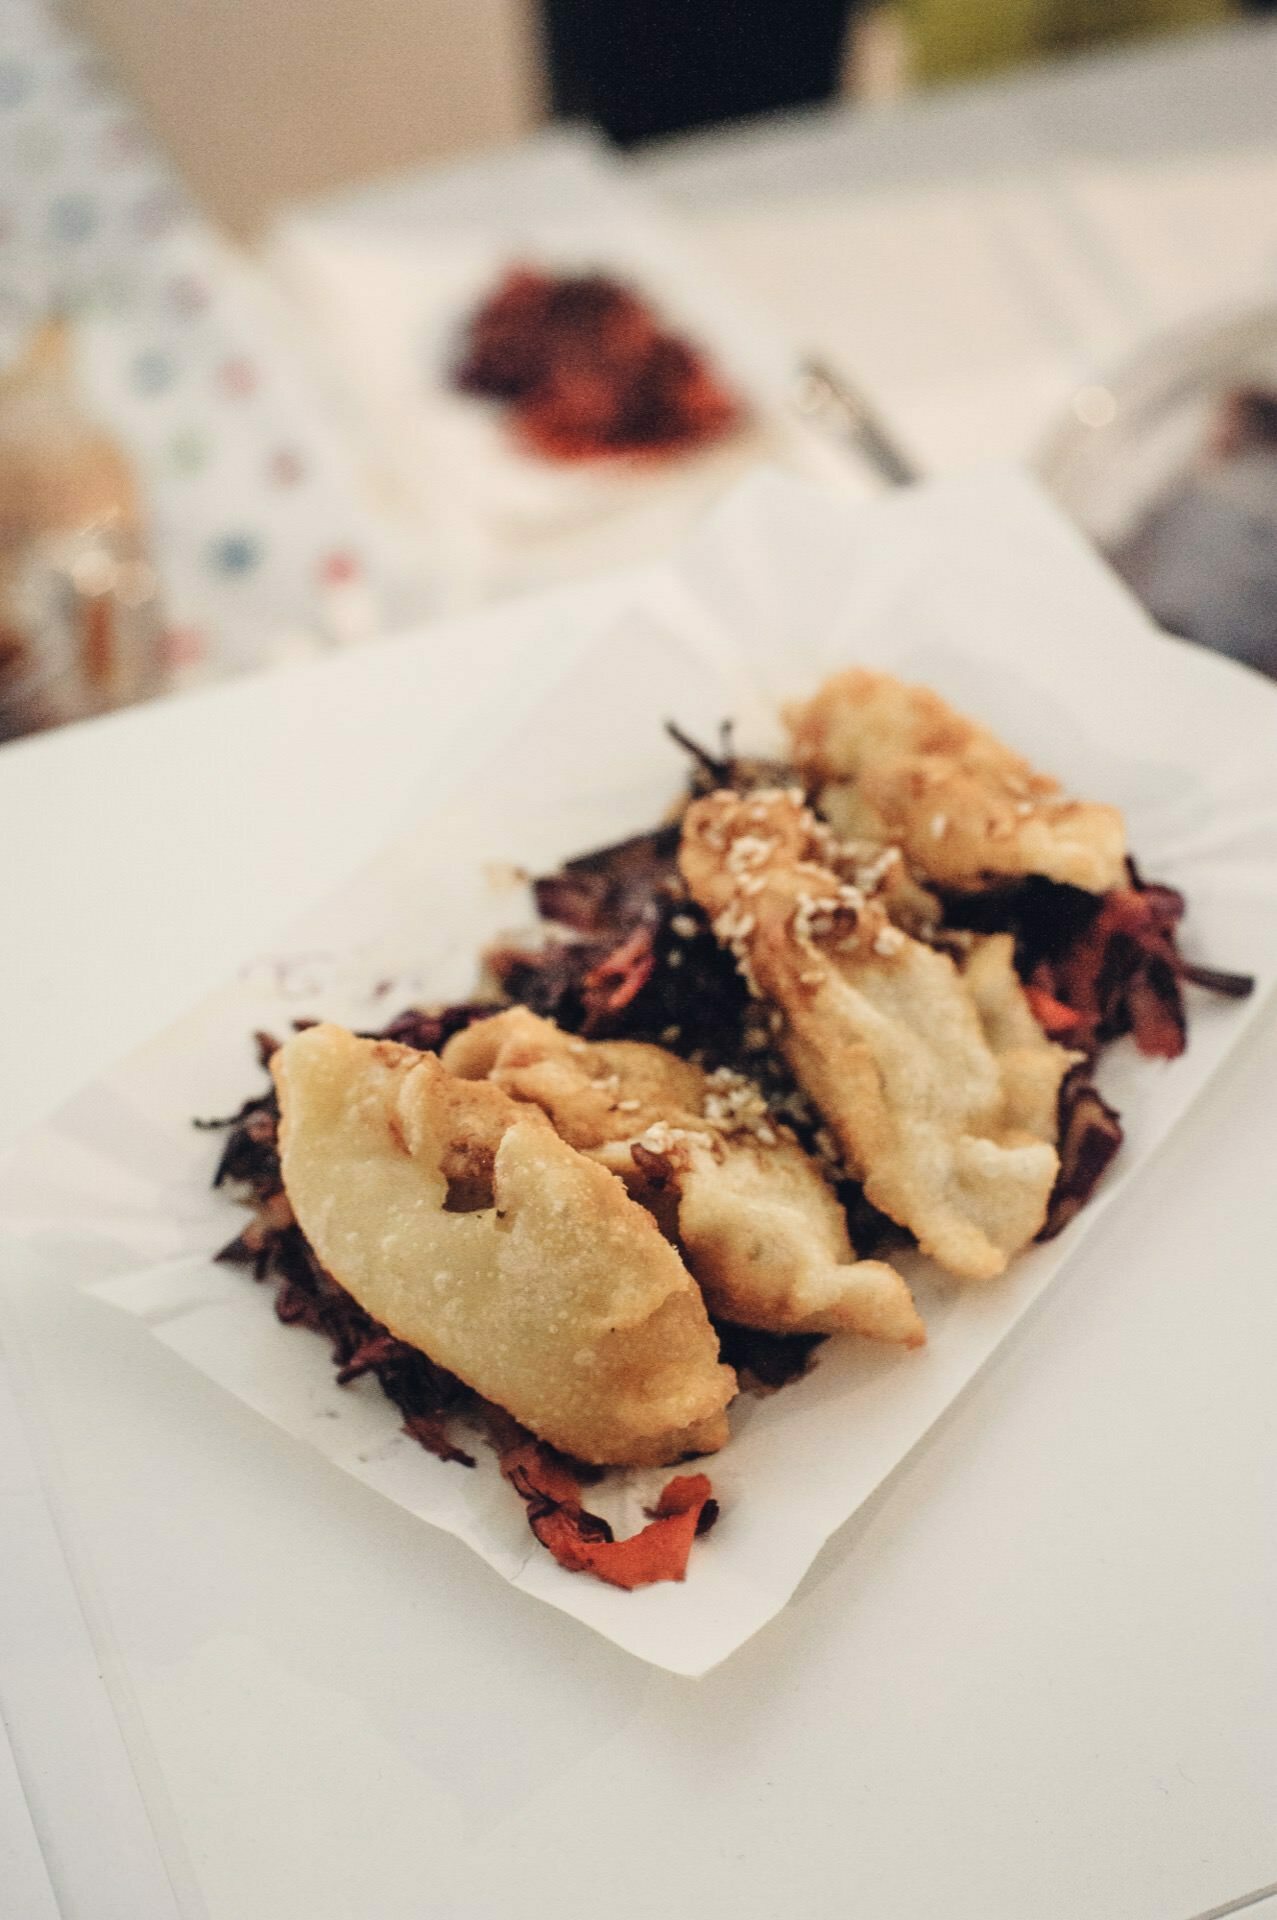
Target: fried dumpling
{"x": 766, "y": 1238}
{"x": 1032, "y": 1066}
{"x": 761, "y": 1230}
{"x": 593, "y": 1091}
{"x": 882, "y": 1031}
{"x": 895, "y": 764}
{"x": 460, "y": 1220}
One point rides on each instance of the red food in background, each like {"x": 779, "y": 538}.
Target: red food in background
{"x": 588, "y": 370}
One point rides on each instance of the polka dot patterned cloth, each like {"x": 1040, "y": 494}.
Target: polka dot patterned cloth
{"x": 264, "y": 543}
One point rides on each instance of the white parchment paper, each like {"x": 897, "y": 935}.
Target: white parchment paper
{"x": 975, "y": 586}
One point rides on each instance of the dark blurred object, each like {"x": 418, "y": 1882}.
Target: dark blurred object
{"x": 1217, "y": 525}
{"x": 1247, "y": 423}
{"x": 641, "y": 68}
{"x": 588, "y": 370}
{"x": 1170, "y": 466}
{"x": 826, "y": 400}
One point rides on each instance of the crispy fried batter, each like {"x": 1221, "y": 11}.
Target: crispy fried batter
{"x": 1032, "y": 1066}
{"x": 593, "y": 1091}
{"x": 767, "y": 1240}
{"x": 882, "y": 1031}
{"x": 461, "y": 1222}
{"x": 894, "y": 763}
{"x": 761, "y": 1230}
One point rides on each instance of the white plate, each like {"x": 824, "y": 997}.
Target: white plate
{"x": 384, "y": 306}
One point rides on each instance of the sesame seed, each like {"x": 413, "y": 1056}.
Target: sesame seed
{"x": 660, "y": 1137}
{"x": 826, "y": 1146}
{"x": 750, "y": 850}
{"x": 870, "y": 876}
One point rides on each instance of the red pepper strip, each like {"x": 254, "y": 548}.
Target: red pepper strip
{"x": 1051, "y": 1014}
{"x": 621, "y": 974}
{"x": 583, "y": 1543}
{"x": 1157, "y": 1025}
{"x": 1122, "y": 976}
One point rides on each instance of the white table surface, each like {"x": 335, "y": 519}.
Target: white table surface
{"x": 1037, "y": 1676}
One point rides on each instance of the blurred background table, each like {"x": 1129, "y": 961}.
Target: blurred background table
{"x": 977, "y": 254}
{"x": 929, "y": 1729}
{"x": 974, "y": 255}
{"x": 974, "y": 258}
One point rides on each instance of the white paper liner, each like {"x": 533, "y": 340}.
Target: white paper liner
{"x": 977, "y": 587}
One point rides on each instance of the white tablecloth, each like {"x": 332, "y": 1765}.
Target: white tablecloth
{"x": 1037, "y": 1678}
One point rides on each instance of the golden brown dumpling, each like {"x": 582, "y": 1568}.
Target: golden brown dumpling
{"x": 895, "y": 765}
{"x": 882, "y": 1031}
{"x": 461, "y": 1222}
{"x": 761, "y": 1230}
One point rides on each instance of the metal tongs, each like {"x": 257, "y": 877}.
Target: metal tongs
{"x": 828, "y": 402}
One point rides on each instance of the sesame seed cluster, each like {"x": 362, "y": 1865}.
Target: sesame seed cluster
{"x": 735, "y": 1105}
{"x": 842, "y": 878}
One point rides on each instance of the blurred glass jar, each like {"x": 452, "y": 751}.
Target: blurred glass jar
{"x": 81, "y": 631}
{"x": 79, "y": 611}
